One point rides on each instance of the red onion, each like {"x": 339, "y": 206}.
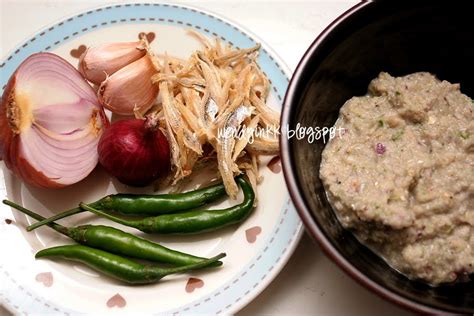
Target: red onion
{"x": 380, "y": 148}
{"x": 50, "y": 123}
{"x": 134, "y": 151}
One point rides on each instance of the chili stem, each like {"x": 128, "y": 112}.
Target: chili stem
{"x": 46, "y": 221}
{"x": 106, "y": 215}
{"x": 57, "y": 227}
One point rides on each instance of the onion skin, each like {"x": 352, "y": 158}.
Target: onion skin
{"x": 10, "y": 136}
{"x": 134, "y": 152}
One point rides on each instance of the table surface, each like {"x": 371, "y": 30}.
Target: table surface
{"x": 309, "y": 284}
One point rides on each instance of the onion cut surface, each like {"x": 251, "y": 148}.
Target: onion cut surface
{"x": 50, "y": 123}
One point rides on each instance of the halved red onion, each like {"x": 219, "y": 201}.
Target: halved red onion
{"x": 50, "y": 123}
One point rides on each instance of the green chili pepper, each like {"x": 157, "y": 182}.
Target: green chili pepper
{"x": 119, "y": 242}
{"x": 464, "y": 134}
{"x": 398, "y": 134}
{"x": 118, "y": 267}
{"x": 191, "y": 221}
{"x": 139, "y": 204}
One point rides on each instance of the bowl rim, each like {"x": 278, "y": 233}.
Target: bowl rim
{"x": 297, "y": 196}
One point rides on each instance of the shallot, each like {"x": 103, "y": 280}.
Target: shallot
{"x": 135, "y": 151}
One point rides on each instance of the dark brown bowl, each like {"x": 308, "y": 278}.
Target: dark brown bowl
{"x": 400, "y": 38}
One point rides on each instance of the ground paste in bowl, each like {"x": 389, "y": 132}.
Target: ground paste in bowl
{"x": 401, "y": 176}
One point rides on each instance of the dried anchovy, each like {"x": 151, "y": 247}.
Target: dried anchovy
{"x": 217, "y": 89}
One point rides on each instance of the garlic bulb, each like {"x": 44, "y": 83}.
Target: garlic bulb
{"x": 130, "y": 88}
{"x": 98, "y": 62}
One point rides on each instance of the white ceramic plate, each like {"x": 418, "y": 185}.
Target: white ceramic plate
{"x": 256, "y": 250}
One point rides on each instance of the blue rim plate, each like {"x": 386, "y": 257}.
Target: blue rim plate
{"x": 27, "y": 288}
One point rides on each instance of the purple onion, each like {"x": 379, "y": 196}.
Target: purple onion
{"x": 380, "y": 149}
